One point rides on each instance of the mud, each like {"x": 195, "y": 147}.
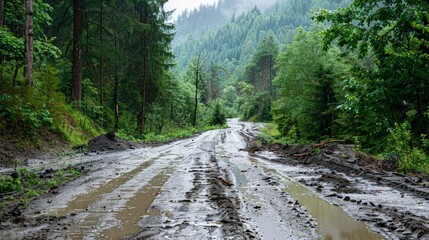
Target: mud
{"x": 209, "y": 187}
{"x": 370, "y": 190}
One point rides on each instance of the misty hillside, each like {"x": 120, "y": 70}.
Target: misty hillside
{"x": 232, "y": 42}
{"x": 208, "y": 17}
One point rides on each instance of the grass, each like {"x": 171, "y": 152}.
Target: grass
{"x": 26, "y": 184}
{"x": 77, "y": 128}
{"x": 168, "y": 135}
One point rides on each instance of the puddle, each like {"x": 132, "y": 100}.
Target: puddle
{"x": 137, "y": 207}
{"x": 82, "y": 202}
{"x": 333, "y": 222}
{"x": 240, "y": 178}
{"x": 127, "y": 217}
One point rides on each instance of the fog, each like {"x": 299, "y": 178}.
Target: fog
{"x": 246, "y": 5}
{"x": 237, "y": 7}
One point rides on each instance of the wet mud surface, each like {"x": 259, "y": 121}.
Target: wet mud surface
{"x": 393, "y": 204}
{"x": 210, "y": 187}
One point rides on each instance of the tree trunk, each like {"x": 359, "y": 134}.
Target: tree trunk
{"x": 29, "y": 37}
{"x": 1, "y": 24}
{"x": 143, "y": 87}
{"x": 101, "y": 67}
{"x": 116, "y": 93}
{"x": 116, "y": 101}
{"x": 76, "y": 91}
{"x": 1, "y": 12}
{"x": 144, "y": 19}
{"x": 197, "y": 76}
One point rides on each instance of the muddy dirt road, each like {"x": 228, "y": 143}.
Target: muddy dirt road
{"x": 209, "y": 187}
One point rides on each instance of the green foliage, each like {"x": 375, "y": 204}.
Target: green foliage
{"x": 399, "y": 147}
{"x": 17, "y": 114}
{"x": 9, "y": 184}
{"x": 271, "y": 134}
{"x": 258, "y": 108}
{"x": 308, "y": 80}
{"x": 76, "y": 127}
{"x": 218, "y": 117}
{"x": 393, "y": 37}
{"x": 11, "y": 47}
{"x": 29, "y": 185}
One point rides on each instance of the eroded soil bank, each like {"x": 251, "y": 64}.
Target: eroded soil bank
{"x": 209, "y": 186}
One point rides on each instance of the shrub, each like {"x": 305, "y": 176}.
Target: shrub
{"x": 399, "y": 146}
{"x": 218, "y": 117}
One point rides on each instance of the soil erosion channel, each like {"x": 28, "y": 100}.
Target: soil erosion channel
{"x": 199, "y": 188}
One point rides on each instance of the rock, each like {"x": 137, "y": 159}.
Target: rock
{"x": 14, "y": 175}
{"x": 16, "y": 212}
{"x": 346, "y": 198}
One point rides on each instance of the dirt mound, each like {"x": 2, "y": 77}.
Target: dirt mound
{"x": 109, "y": 142}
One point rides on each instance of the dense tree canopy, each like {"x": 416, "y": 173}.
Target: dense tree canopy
{"x": 392, "y": 37}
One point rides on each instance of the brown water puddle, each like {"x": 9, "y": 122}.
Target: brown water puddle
{"x": 82, "y": 202}
{"x": 332, "y": 222}
{"x": 128, "y": 217}
{"x": 137, "y": 207}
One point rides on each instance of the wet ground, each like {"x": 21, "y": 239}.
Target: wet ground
{"x": 210, "y": 187}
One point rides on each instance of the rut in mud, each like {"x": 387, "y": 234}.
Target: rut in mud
{"x": 209, "y": 187}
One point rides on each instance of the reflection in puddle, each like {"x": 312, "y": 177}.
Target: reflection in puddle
{"x": 333, "y": 222}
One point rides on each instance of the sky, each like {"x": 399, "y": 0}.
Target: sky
{"x": 181, "y": 5}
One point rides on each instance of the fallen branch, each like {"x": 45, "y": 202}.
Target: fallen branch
{"x": 324, "y": 143}
{"x": 301, "y": 154}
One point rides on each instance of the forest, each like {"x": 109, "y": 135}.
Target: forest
{"x": 314, "y": 70}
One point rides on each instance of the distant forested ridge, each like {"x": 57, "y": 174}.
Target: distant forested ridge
{"x": 236, "y": 40}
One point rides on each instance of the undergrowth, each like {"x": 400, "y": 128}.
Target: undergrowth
{"x": 400, "y": 146}
{"x": 24, "y": 184}
{"x": 271, "y": 135}
{"x": 166, "y": 135}
{"x": 25, "y": 112}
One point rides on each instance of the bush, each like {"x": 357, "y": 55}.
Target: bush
{"x": 399, "y": 146}
{"x": 218, "y": 117}
{"x": 9, "y": 184}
